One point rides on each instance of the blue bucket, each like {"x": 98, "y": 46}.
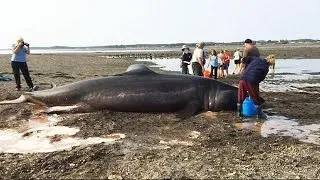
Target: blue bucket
{"x": 248, "y": 107}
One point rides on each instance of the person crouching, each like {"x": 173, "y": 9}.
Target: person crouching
{"x": 255, "y": 71}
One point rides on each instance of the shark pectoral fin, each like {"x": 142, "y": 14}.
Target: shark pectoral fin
{"x": 192, "y": 108}
{"x": 74, "y": 108}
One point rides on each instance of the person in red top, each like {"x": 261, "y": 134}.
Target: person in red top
{"x": 226, "y": 62}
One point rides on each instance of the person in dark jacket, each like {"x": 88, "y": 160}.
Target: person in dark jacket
{"x": 255, "y": 71}
{"x": 185, "y": 59}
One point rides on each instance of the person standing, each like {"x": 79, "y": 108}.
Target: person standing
{"x": 20, "y": 50}
{"x": 221, "y": 66}
{"x": 185, "y": 59}
{"x": 198, "y": 59}
{"x": 226, "y": 62}
{"x": 237, "y": 58}
{"x": 214, "y": 64}
{"x": 249, "y": 50}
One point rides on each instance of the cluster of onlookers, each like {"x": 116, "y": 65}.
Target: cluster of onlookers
{"x": 216, "y": 62}
{"x": 252, "y": 67}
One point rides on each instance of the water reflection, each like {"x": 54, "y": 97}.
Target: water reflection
{"x": 289, "y": 74}
{"x": 282, "y": 126}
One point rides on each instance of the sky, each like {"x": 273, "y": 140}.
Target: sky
{"x": 116, "y": 22}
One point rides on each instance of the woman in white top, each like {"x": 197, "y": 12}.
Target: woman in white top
{"x": 237, "y": 60}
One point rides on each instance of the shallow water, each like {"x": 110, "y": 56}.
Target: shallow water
{"x": 288, "y": 75}
{"x": 42, "y": 135}
{"x": 282, "y": 126}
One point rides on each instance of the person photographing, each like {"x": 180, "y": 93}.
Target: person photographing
{"x": 20, "y": 50}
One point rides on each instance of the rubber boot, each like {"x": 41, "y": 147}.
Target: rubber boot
{"x": 260, "y": 114}
{"x": 239, "y": 110}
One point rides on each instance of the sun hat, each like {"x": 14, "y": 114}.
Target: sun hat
{"x": 184, "y": 47}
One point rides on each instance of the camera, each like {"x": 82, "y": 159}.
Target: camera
{"x": 26, "y": 44}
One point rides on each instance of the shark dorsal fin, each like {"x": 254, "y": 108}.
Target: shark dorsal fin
{"x": 138, "y": 69}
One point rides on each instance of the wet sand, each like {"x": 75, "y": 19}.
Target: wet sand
{"x": 157, "y": 145}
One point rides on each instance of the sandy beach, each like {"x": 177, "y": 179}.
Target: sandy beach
{"x": 157, "y": 145}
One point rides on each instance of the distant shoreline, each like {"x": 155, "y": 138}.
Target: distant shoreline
{"x": 292, "y": 51}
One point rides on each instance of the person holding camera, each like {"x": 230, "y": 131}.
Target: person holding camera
{"x": 20, "y": 50}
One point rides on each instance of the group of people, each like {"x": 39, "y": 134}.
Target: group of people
{"x": 252, "y": 67}
{"x": 217, "y": 62}
{"x": 195, "y": 61}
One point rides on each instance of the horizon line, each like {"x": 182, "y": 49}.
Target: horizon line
{"x": 176, "y": 44}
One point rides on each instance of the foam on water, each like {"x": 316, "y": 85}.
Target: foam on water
{"x": 44, "y": 136}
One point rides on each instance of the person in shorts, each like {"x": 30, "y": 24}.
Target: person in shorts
{"x": 237, "y": 59}
{"x": 221, "y": 65}
{"x": 214, "y": 64}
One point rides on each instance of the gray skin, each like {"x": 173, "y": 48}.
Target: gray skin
{"x": 138, "y": 90}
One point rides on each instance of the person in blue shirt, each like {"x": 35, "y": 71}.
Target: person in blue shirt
{"x": 255, "y": 71}
{"x": 20, "y": 50}
{"x": 214, "y": 64}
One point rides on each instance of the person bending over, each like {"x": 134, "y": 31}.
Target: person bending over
{"x": 255, "y": 71}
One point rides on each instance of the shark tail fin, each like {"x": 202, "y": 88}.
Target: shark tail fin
{"x": 21, "y": 99}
